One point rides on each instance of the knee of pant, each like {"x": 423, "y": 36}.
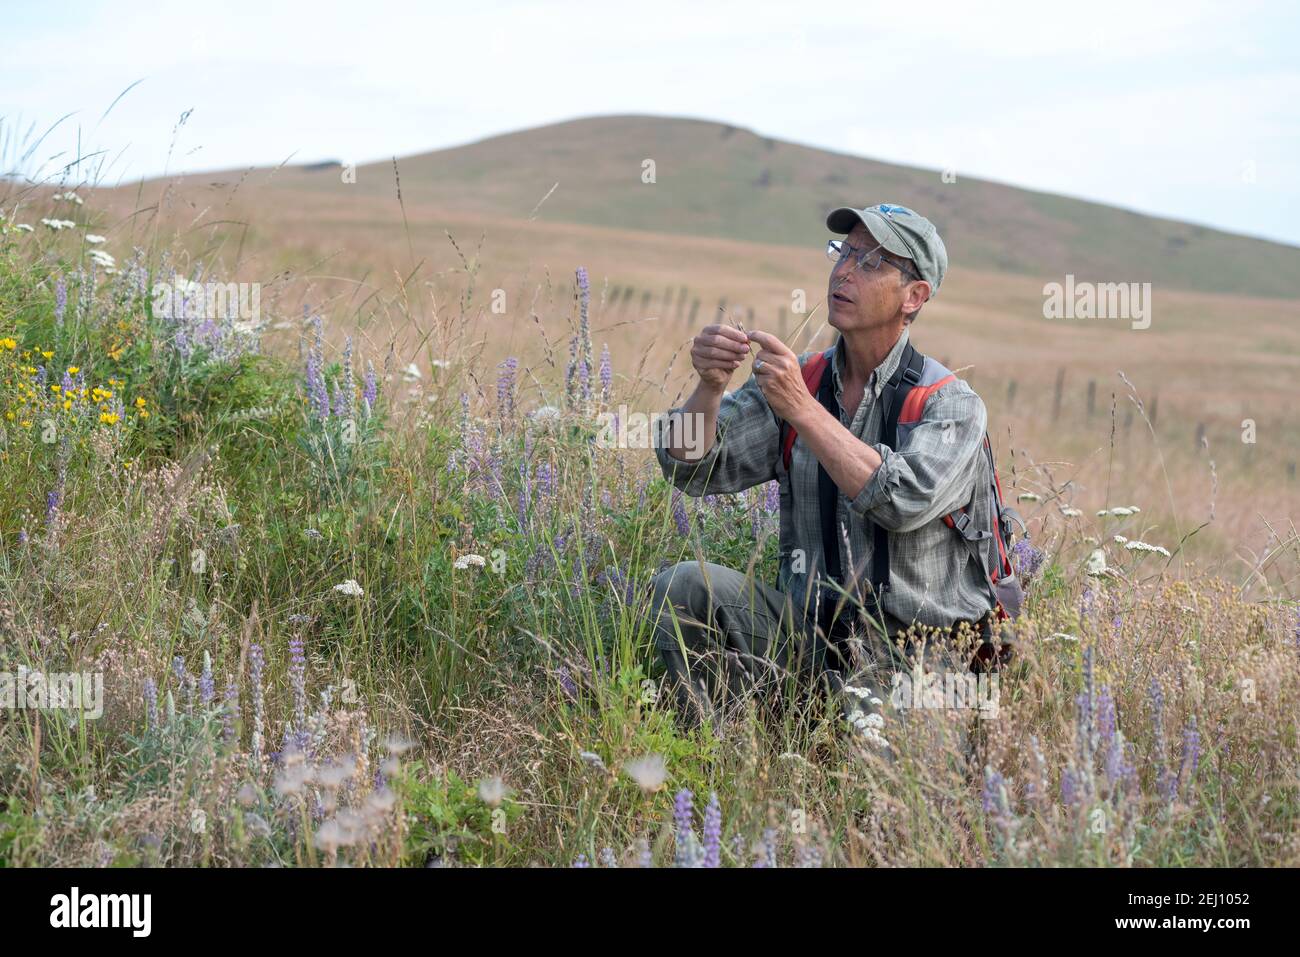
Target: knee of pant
{"x": 678, "y": 584}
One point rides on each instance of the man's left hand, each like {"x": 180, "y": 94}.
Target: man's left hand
{"x": 779, "y": 376}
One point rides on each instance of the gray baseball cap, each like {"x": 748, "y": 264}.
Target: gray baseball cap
{"x": 900, "y": 231}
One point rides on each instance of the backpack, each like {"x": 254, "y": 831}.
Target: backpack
{"x": 904, "y": 397}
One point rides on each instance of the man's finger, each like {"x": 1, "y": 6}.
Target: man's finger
{"x": 731, "y": 333}
{"x": 722, "y": 342}
{"x": 770, "y": 343}
{"x": 769, "y": 360}
{"x": 709, "y": 351}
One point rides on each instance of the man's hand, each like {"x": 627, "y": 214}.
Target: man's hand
{"x": 779, "y": 376}
{"x": 716, "y": 353}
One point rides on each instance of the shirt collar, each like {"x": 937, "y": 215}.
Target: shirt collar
{"x": 882, "y": 372}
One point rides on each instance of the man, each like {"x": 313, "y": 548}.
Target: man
{"x": 720, "y": 634}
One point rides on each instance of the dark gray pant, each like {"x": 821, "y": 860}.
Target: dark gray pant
{"x": 722, "y": 636}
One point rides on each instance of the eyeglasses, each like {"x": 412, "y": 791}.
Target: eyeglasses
{"x": 837, "y": 250}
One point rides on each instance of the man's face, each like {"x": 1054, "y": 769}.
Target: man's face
{"x": 863, "y": 298}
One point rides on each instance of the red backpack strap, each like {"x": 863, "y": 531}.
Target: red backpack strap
{"x": 812, "y": 370}
{"x": 914, "y": 405}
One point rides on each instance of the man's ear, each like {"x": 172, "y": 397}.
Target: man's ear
{"x": 918, "y": 293}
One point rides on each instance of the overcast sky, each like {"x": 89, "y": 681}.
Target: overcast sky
{"x": 1186, "y": 109}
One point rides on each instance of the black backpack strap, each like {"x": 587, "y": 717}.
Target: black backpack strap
{"x": 828, "y": 502}
{"x": 894, "y": 394}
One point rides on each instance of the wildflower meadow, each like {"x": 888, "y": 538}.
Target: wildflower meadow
{"x": 357, "y": 602}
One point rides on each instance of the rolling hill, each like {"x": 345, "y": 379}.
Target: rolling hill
{"x": 716, "y": 180}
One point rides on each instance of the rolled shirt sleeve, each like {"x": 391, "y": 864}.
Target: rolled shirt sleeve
{"x": 934, "y": 470}
{"x": 744, "y": 451}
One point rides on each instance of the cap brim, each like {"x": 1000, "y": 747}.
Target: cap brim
{"x": 846, "y": 218}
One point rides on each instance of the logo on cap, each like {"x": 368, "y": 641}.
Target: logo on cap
{"x": 889, "y": 210}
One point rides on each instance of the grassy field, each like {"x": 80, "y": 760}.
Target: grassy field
{"x": 348, "y": 614}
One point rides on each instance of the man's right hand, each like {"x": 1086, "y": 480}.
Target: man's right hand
{"x": 717, "y": 352}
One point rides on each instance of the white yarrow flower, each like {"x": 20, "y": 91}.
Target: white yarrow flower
{"x": 1144, "y": 547}
{"x": 93, "y": 239}
{"x": 350, "y": 588}
{"x": 465, "y": 561}
{"x": 1069, "y": 512}
{"x": 1029, "y": 497}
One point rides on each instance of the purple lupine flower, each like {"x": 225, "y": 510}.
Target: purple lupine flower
{"x": 151, "y": 703}
{"x": 584, "y": 287}
{"x": 317, "y": 390}
{"x": 53, "y": 499}
{"x": 1026, "y": 559}
{"x": 989, "y": 795}
{"x": 738, "y": 846}
{"x": 23, "y": 537}
{"x": 570, "y": 374}
{"x": 1191, "y": 753}
{"x": 230, "y": 711}
{"x": 256, "y": 664}
{"x": 618, "y": 583}
{"x": 713, "y": 832}
{"x": 42, "y": 378}
{"x": 345, "y": 393}
{"x": 768, "y": 857}
{"x": 60, "y": 300}
{"x": 679, "y": 515}
{"x": 684, "y": 815}
{"x": 179, "y": 670}
{"x": 1088, "y": 602}
{"x": 546, "y": 479}
{"x": 1166, "y": 784}
{"x": 1128, "y": 768}
{"x": 506, "y": 388}
{"x": 807, "y": 854}
{"x": 207, "y": 684}
{"x": 298, "y": 681}
{"x": 772, "y": 497}
{"x": 607, "y": 858}
{"x": 644, "y": 857}
{"x": 1069, "y": 791}
{"x": 370, "y": 391}
{"x": 606, "y": 374}
{"x": 525, "y": 498}
{"x": 581, "y": 861}
{"x": 1085, "y": 700}
{"x": 567, "y": 684}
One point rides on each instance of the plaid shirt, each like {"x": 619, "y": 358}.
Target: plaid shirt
{"x": 933, "y": 577}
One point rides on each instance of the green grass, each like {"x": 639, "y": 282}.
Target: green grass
{"x": 240, "y": 511}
